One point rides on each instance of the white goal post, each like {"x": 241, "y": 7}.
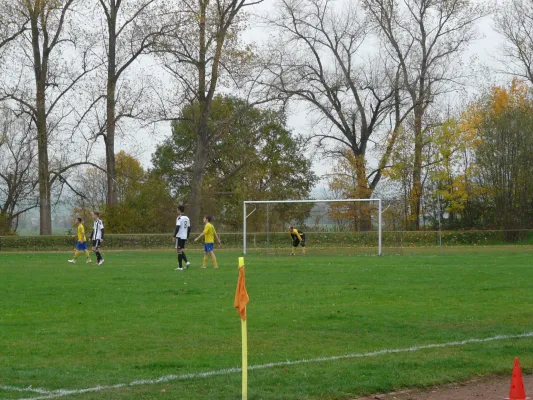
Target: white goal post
{"x": 245, "y": 215}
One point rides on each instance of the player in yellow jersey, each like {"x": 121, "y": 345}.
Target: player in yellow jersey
{"x": 209, "y": 248}
{"x": 297, "y": 239}
{"x": 81, "y": 244}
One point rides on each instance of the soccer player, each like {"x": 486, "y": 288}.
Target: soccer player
{"x": 209, "y": 248}
{"x": 181, "y": 234}
{"x": 81, "y": 244}
{"x": 97, "y": 236}
{"x": 297, "y": 238}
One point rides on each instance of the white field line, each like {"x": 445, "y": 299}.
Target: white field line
{"x": 26, "y": 389}
{"x": 54, "y": 394}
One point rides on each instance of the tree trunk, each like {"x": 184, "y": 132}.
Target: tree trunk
{"x": 40, "y": 72}
{"x": 416, "y": 190}
{"x": 202, "y": 134}
{"x": 109, "y": 140}
{"x": 45, "y": 206}
{"x": 364, "y": 212}
{"x": 112, "y": 199}
{"x": 200, "y": 162}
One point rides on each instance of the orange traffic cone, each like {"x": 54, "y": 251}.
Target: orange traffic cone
{"x": 517, "y": 391}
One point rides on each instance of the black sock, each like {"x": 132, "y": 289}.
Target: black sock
{"x": 98, "y": 255}
{"x": 180, "y": 258}
{"x": 184, "y": 257}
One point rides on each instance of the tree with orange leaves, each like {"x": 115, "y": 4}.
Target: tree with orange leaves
{"x": 502, "y": 122}
{"x": 345, "y": 183}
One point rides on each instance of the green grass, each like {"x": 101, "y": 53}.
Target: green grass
{"x": 77, "y": 326}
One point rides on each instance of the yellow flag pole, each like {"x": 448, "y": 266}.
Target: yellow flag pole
{"x": 244, "y": 360}
{"x": 244, "y": 350}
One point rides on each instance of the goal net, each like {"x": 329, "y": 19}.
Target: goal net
{"x": 348, "y": 226}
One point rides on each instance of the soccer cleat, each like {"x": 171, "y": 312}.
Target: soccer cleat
{"x": 89, "y": 262}
{"x": 179, "y": 269}
{"x": 203, "y": 267}
{"x": 188, "y": 264}
{"x": 100, "y": 262}
{"x": 72, "y": 261}
{"x": 215, "y": 267}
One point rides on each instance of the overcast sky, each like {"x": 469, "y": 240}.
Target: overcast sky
{"x": 484, "y": 51}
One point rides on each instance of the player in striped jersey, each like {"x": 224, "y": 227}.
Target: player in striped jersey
{"x": 181, "y": 234}
{"x": 97, "y": 236}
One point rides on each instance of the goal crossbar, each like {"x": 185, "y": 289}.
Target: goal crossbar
{"x": 311, "y": 201}
{"x": 245, "y": 216}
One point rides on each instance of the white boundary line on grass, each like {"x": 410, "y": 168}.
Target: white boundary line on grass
{"x": 54, "y": 394}
{"x": 26, "y": 389}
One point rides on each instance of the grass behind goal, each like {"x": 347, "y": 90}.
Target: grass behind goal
{"x": 74, "y": 327}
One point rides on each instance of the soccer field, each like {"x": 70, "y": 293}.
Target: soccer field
{"x": 117, "y": 329}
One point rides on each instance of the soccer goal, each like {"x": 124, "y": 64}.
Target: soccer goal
{"x": 347, "y": 224}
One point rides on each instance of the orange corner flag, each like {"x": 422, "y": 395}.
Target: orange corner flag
{"x": 241, "y": 296}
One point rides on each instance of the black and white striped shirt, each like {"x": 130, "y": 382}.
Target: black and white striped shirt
{"x": 182, "y": 227}
{"x": 98, "y": 230}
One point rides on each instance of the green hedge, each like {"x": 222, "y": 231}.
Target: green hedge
{"x": 397, "y": 239}
{"x": 278, "y": 240}
{"x": 65, "y": 243}
{"x": 112, "y": 242}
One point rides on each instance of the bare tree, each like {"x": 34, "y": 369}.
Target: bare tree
{"x": 425, "y": 38}
{"x": 130, "y": 29}
{"x": 319, "y": 61}
{"x": 18, "y": 164}
{"x": 204, "y": 54}
{"x": 48, "y": 66}
{"x": 10, "y": 28}
{"x": 90, "y": 191}
{"x": 514, "y": 21}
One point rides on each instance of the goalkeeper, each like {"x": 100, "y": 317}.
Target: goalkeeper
{"x": 298, "y": 238}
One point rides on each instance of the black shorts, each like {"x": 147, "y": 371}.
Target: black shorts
{"x": 96, "y": 243}
{"x": 180, "y": 243}
{"x": 296, "y": 241}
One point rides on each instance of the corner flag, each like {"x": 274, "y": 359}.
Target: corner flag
{"x": 241, "y": 299}
{"x": 241, "y": 296}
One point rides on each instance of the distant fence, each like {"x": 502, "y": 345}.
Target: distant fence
{"x": 404, "y": 239}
